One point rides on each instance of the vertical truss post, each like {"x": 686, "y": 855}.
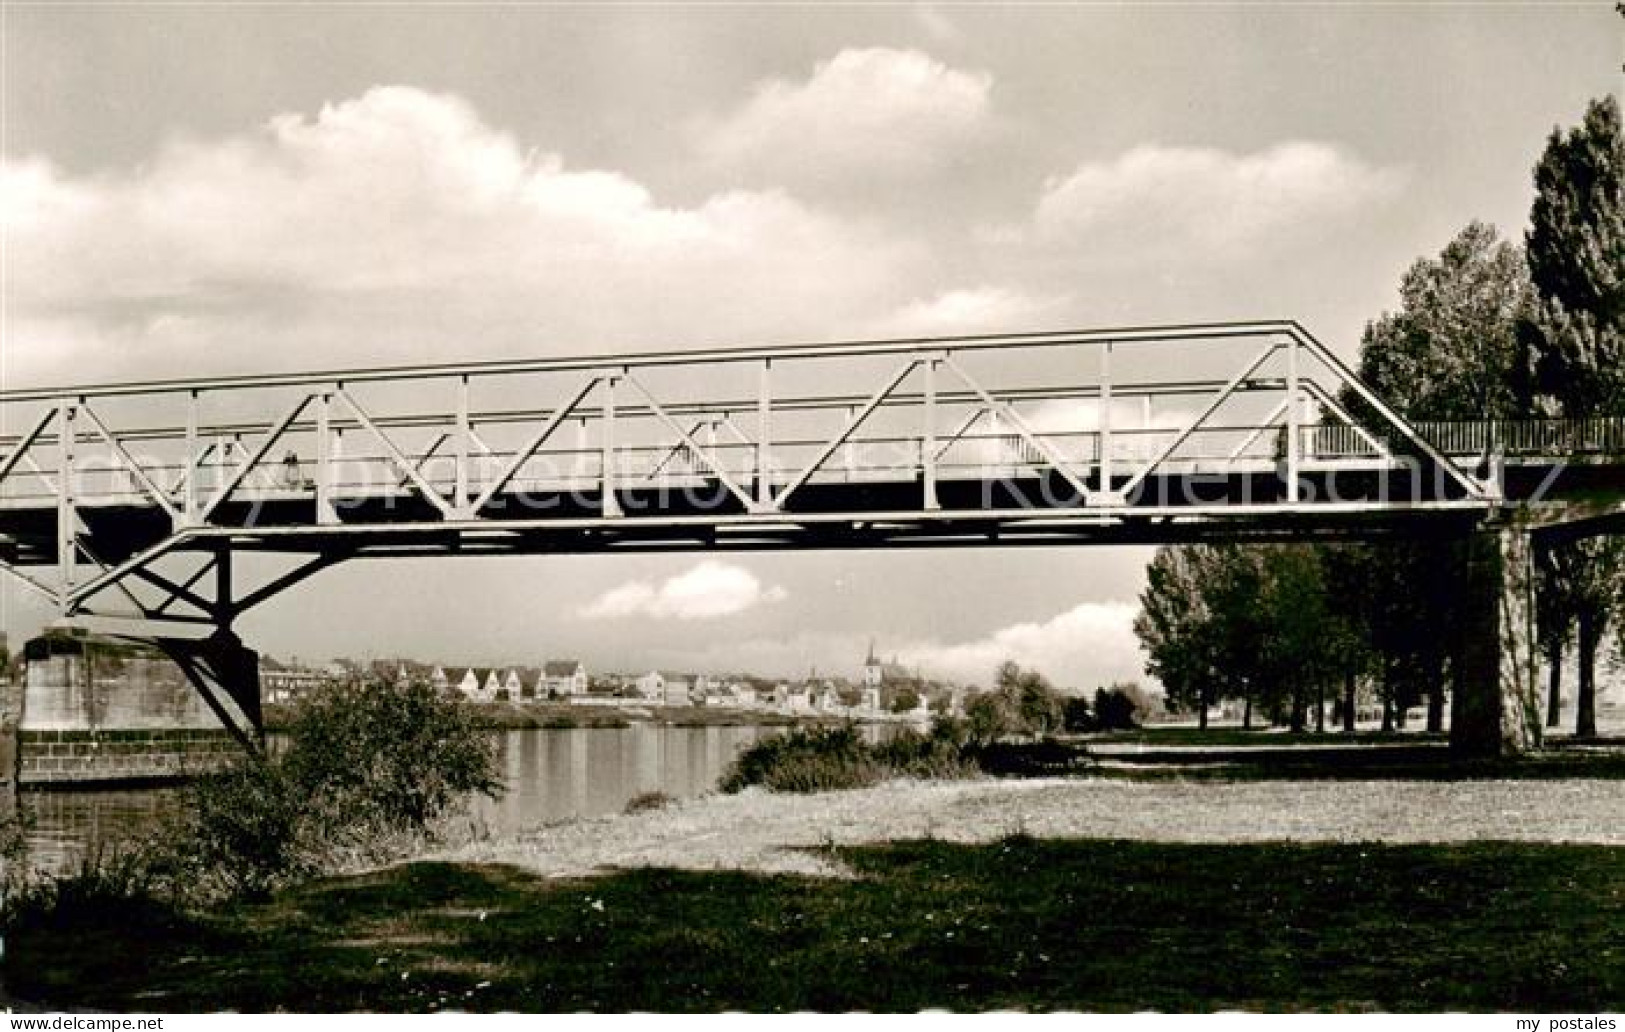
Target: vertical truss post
{"x": 67, "y": 518}
{"x": 459, "y": 503}
{"x": 928, "y": 441}
{"x": 1103, "y": 424}
{"x": 1293, "y": 445}
{"x": 611, "y": 506}
{"x": 849, "y": 456}
{"x": 580, "y": 464}
{"x": 335, "y": 458}
{"x": 190, "y": 473}
{"x": 325, "y": 513}
{"x": 764, "y": 438}
{"x": 222, "y": 464}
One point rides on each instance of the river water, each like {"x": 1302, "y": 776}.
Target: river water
{"x": 550, "y": 774}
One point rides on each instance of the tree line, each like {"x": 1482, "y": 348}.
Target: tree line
{"x": 1487, "y": 330}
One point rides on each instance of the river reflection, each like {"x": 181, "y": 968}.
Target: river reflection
{"x": 550, "y": 774}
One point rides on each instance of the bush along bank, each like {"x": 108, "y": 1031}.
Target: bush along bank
{"x": 366, "y": 772}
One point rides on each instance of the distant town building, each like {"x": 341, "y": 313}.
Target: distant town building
{"x": 652, "y": 685}
{"x": 282, "y": 683}
{"x": 564, "y": 677}
{"x": 888, "y": 675}
{"x": 678, "y": 690}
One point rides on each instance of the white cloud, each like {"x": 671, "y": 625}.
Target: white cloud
{"x": 1156, "y": 200}
{"x": 863, "y": 115}
{"x": 709, "y": 590}
{"x": 398, "y": 226}
{"x": 968, "y": 310}
{"x": 1088, "y": 645}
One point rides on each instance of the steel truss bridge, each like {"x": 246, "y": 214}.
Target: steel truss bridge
{"x": 124, "y": 504}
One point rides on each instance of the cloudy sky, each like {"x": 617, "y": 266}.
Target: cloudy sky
{"x": 194, "y": 189}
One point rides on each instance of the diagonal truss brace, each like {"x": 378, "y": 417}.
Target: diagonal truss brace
{"x": 1025, "y": 432}
{"x": 155, "y": 492}
{"x": 839, "y": 439}
{"x": 21, "y": 451}
{"x": 1474, "y": 487}
{"x": 28, "y": 582}
{"x": 1330, "y": 402}
{"x": 253, "y": 459}
{"x": 298, "y": 574}
{"x": 396, "y": 456}
{"x": 700, "y": 453}
{"x": 523, "y": 455}
{"x": 178, "y": 592}
{"x": 1184, "y": 434}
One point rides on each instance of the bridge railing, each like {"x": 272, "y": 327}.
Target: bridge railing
{"x": 1470, "y": 439}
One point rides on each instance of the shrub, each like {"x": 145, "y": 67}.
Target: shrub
{"x": 1024, "y": 704}
{"x": 821, "y": 759}
{"x": 645, "y": 801}
{"x": 399, "y": 755}
{"x": 240, "y": 832}
{"x": 1116, "y": 710}
{"x": 106, "y": 890}
{"x": 938, "y": 754}
{"x": 806, "y": 760}
{"x": 369, "y": 770}
{"x": 14, "y": 829}
{"x": 1077, "y": 718}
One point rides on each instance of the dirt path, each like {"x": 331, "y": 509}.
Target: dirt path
{"x": 760, "y": 831}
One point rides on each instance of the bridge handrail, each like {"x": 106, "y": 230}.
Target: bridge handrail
{"x": 1594, "y": 435}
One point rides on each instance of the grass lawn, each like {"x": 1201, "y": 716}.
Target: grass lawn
{"x": 1376, "y": 763}
{"x": 1019, "y": 923}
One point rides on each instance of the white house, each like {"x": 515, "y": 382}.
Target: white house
{"x": 476, "y": 683}
{"x": 652, "y": 685}
{"x": 564, "y": 677}
{"x": 512, "y": 684}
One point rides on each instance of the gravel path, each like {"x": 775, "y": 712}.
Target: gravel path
{"x": 760, "y": 831}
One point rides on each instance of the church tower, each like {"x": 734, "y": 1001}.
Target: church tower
{"x": 873, "y": 672}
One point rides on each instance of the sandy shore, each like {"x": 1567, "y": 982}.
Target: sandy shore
{"x": 760, "y": 831}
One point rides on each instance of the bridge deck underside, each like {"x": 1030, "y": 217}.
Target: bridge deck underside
{"x": 703, "y": 513}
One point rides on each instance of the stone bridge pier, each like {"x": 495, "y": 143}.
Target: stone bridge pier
{"x": 1496, "y": 709}
{"x": 107, "y": 708}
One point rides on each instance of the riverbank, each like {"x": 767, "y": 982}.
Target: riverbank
{"x": 522, "y": 716}
{"x": 1054, "y": 893}
{"x": 769, "y": 833}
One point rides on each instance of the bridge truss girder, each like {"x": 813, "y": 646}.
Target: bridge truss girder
{"x": 1004, "y": 441}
